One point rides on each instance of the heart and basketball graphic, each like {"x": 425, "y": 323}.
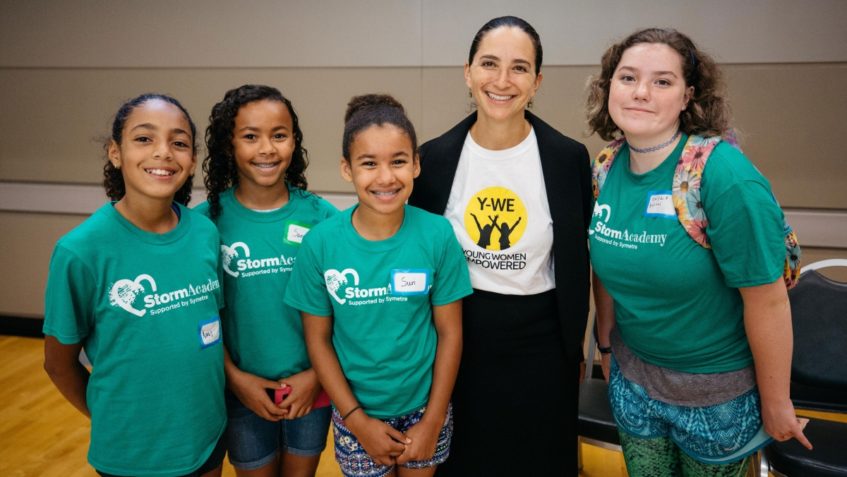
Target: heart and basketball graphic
{"x": 335, "y": 280}
{"x": 124, "y": 293}
{"x": 229, "y": 253}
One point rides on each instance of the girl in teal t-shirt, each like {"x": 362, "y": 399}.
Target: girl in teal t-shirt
{"x": 257, "y": 197}
{"x": 136, "y": 285}
{"x": 380, "y": 289}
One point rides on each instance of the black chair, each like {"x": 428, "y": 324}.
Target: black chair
{"x": 818, "y": 375}
{"x": 596, "y": 425}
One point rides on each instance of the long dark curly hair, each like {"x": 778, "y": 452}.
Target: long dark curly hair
{"x": 219, "y": 165}
{"x": 113, "y": 180}
{"x": 707, "y": 113}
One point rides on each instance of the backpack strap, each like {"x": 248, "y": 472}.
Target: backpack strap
{"x": 686, "y": 186}
{"x": 686, "y": 194}
{"x": 602, "y": 163}
{"x": 687, "y": 180}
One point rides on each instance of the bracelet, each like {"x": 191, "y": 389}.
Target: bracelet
{"x": 351, "y": 411}
{"x": 604, "y": 350}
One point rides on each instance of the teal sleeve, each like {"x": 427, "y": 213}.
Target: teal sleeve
{"x": 306, "y": 289}
{"x": 745, "y": 222}
{"x": 69, "y": 298}
{"x": 452, "y": 280}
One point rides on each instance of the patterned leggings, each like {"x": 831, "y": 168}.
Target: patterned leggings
{"x": 660, "y": 457}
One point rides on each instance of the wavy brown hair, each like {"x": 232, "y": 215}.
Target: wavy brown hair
{"x": 113, "y": 179}
{"x": 219, "y": 165}
{"x": 707, "y": 113}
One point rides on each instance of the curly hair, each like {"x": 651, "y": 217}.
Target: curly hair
{"x": 219, "y": 165}
{"x": 374, "y": 110}
{"x": 113, "y": 179}
{"x": 707, "y": 113}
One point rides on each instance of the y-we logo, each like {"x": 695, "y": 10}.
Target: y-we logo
{"x": 124, "y": 292}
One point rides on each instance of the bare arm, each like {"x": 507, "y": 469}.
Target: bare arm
{"x": 605, "y": 307}
{"x": 767, "y": 320}
{"x": 381, "y": 441}
{"x": 424, "y": 435}
{"x": 61, "y": 362}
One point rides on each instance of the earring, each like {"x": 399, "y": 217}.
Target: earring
{"x": 530, "y": 104}
{"x": 471, "y": 103}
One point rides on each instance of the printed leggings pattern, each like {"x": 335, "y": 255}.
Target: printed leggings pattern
{"x": 711, "y": 431}
{"x": 660, "y": 457}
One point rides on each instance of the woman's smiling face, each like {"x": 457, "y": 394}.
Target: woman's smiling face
{"x": 502, "y": 77}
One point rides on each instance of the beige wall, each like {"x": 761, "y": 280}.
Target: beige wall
{"x": 66, "y": 66}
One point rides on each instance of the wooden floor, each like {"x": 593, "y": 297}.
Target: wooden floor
{"x": 41, "y": 435}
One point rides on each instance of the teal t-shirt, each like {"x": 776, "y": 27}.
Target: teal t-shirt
{"x": 677, "y": 304}
{"x": 264, "y": 336}
{"x": 380, "y": 295}
{"x": 145, "y": 307}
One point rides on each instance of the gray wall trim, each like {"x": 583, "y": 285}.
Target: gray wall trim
{"x": 83, "y": 199}
{"x": 815, "y": 228}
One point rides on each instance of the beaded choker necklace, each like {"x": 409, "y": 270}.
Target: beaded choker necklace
{"x": 657, "y": 146}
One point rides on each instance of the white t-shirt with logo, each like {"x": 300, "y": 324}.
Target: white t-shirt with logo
{"x": 498, "y": 209}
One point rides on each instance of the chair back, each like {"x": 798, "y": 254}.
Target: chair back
{"x": 819, "y": 317}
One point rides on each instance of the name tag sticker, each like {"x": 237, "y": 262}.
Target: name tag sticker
{"x": 660, "y": 204}
{"x": 294, "y": 232}
{"x": 411, "y": 281}
{"x": 210, "y": 332}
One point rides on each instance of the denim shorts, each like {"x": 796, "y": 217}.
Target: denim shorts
{"x": 718, "y": 434}
{"x": 355, "y": 462}
{"x": 253, "y": 442}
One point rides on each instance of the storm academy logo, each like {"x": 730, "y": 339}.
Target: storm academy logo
{"x": 335, "y": 280}
{"x": 124, "y": 292}
{"x": 598, "y": 212}
{"x": 229, "y": 253}
{"x": 495, "y": 218}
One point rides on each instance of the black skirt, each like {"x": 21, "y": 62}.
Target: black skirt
{"x": 515, "y": 400}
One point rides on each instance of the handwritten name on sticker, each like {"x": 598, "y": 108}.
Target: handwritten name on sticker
{"x": 295, "y": 233}
{"x": 210, "y": 332}
{"x": 660, "y": 204}
{"x": 410, "y": 282}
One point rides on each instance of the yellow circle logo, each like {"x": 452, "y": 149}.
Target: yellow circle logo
{"x": 495, "y": 218}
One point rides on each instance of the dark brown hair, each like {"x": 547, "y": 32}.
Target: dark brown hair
{"x": 219, "y": 164}
{"x": 113, "y": 179}
{"x": 509, "y": 21}
{"x": 375, "y": 110}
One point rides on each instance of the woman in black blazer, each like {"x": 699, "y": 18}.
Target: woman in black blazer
{"x": 518, "y": 194}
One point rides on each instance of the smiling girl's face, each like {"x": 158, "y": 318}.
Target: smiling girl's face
{"x": 382, "y": 168}
{"x": 648, "y": 93}
{"x": 156, "y": 154}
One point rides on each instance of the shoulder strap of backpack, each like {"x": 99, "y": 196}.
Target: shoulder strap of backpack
{"x": 689, "y": 208}
{"x": 602, "y": 163}
{"x": 686, "y": 186}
